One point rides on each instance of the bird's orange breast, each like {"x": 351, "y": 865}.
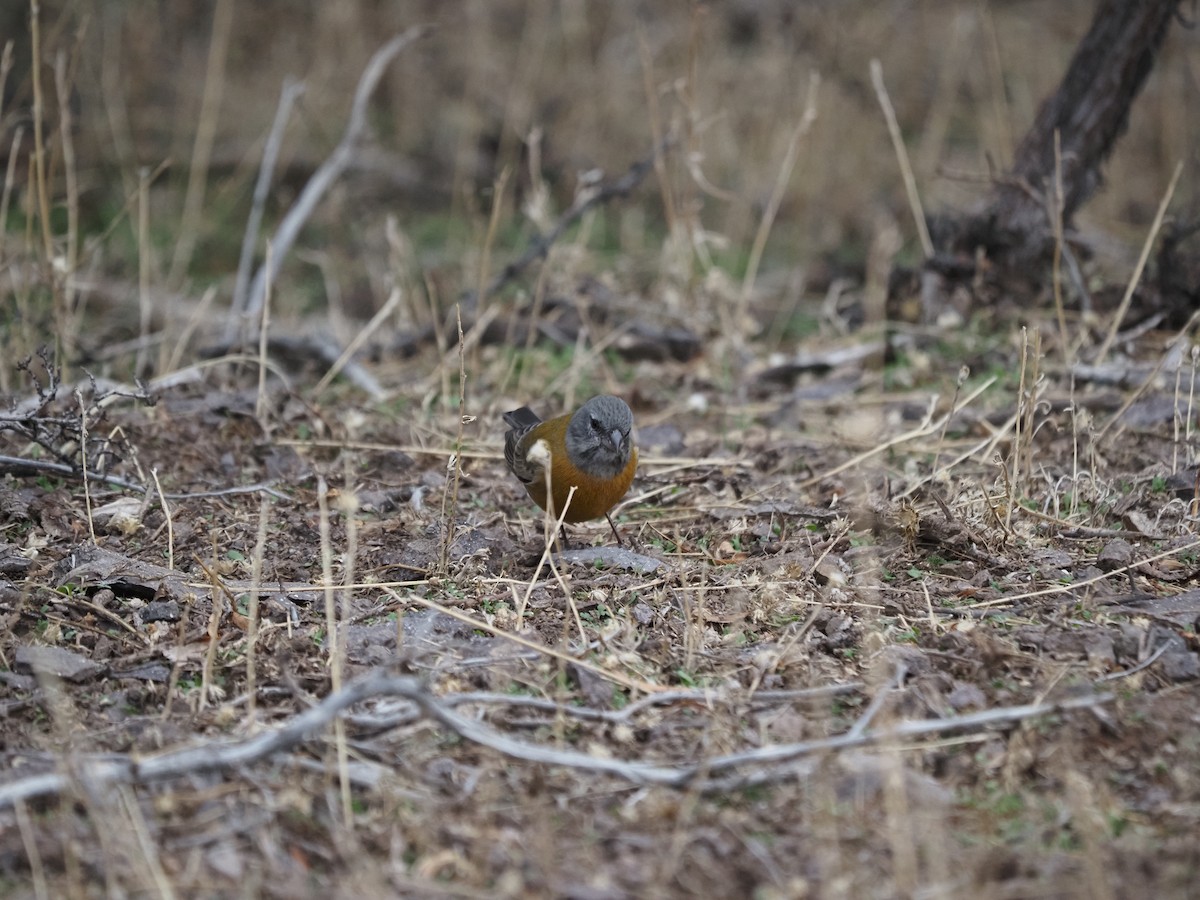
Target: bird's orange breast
{"x": 593, "y": 496}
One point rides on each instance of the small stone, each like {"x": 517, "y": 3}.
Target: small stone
{"x": 1179, "y": 666}
{"x": 56, "y": 661}
{"x": 1116, "y": 554}
{"x": 12, "y": 562}
{"x": 161, "y": 611}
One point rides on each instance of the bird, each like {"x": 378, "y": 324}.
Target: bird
{"x": 590, "y": 449}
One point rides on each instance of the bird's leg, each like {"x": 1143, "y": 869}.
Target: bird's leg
{"x": 562, "y": 533}
{"x": 616, "y": 533}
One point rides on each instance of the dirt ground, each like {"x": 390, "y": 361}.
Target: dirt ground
{"x": 857, "y": 666}
{"x": 908, "y": 599}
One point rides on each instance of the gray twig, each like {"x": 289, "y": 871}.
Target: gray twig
{"x": 860, "y": 727}
{"x": 410, "y": 714}
{"x": 1144, "y": 664}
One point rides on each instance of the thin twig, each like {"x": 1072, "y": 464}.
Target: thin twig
{"x": 910, "y": 182}
{"x": 1056, "y": 219}
{"x": 704, "y": 697}
{"x": 264, "y": 329}
{"x": 252, "y": 613}
{"x": 1147, "y": 382}
{"x": 787, "y": 755}
{"x": 334, "y": 640}
{"x": 25, "y": 826}
{"x": 39, "y": 143}
{"x": 1087, "y": 582}
{"x": 218, "y": 594}
{"x": 145, "y": 299}
{"x": 87, "y": 485}
{"x": 341, "y": 362}
{"x": 202, "y": 145}
{"x": 1126, "y": 300}
{"x": 922, "y": 430}
{"x": 480, "y": 625}
{"x": 454, "y": 463}
{"x": 864, "y": 721}
{"x": 66, "y": 130}
{"x": 10, "y": 179}
{"x": 782, "y": 177}
{"x": 6, "y": 64}
{"x": 348, "y": 508}
{"x": 162, "y": 499}
{"x": 1144, "y": 664}
{"x": 551, "y": 529}
{"x": 198, "y": 314}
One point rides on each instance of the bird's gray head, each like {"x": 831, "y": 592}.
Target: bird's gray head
{"x": 599, "y": 436}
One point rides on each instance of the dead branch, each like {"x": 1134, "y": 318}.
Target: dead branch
{"x": 860, "y": 726}
{"x": 17, "y": 466}
{"x": 765, "y": 764}
{"x": 621, "y": 716}
{"x": 62, "y": 423}
{"x": 328, "y": 172}
{"x": 292, "y": 90}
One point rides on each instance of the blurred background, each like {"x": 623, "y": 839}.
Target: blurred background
{"x": 178, "y": 98}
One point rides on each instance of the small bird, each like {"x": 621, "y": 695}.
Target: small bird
{"x": 591, "y": 449}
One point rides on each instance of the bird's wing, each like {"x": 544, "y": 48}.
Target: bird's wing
{"x": 521, "y": 419}
{"x": 520, "y": 422}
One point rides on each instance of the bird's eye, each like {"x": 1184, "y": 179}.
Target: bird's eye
{"x": 596, "y": 426}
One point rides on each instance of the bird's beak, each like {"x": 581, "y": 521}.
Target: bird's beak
{"x": 617, "y": 437}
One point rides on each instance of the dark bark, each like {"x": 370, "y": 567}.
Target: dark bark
{"x": 1090, "y": 110}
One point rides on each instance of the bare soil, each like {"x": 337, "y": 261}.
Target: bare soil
{"x": 884, "y": 626}
{"x": 839, "y": 559}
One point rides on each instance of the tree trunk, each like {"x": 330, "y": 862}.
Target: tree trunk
{"x": 1089, "y": 111}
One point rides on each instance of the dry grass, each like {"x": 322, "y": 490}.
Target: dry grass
{"x": 919, "y": 622}
{"x": 458, "y": 110}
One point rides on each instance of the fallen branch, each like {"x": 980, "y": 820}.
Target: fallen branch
{"x": 19, "y": 467}
{"x": 694, "y": 697}
{"x": 765, "y": 763}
